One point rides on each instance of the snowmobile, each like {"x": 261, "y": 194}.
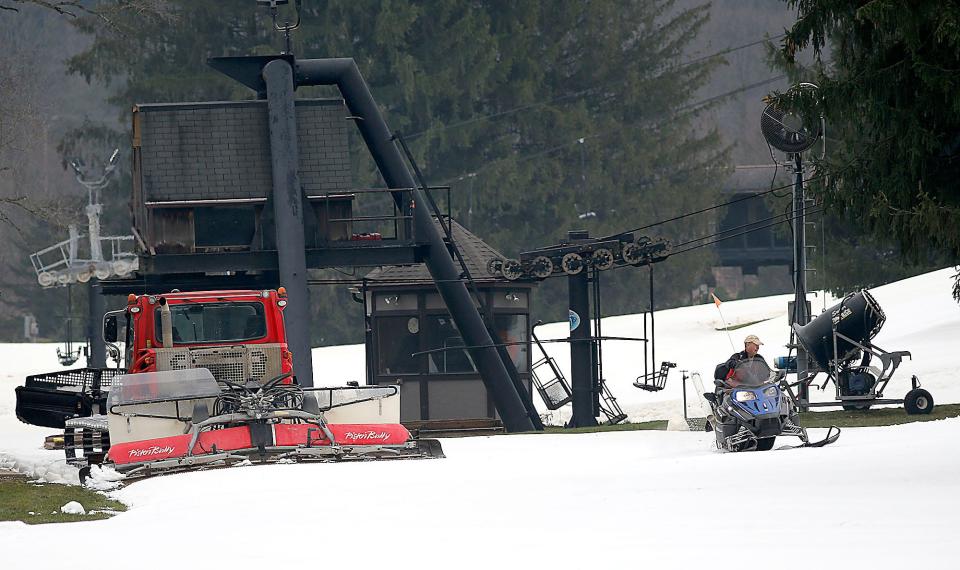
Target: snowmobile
{"x": 753, "y": 406}
{"x": 161, "y": 422}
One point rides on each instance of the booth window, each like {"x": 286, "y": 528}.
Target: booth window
{"x": 513, "y": 329}
{"x": 397, "y": 340}
{"x": 442, "y": 333}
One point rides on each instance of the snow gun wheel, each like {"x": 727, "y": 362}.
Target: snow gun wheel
{"x": 494, "y": 266}
{"x": 856, "y": 407}
{"x": 765, "y": 443}
{"x": 918, "y": 401}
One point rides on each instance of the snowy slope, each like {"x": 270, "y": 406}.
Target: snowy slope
{"x": 890, "y": 496}
{"x": 922, "y": 317}
{"x": 887, "y": 496}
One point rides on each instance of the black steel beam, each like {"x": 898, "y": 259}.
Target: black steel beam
{"x": 97, "y": 358}
{"x": 288, "y": 201}
{"x": 343, "y": 73}
{"x": 190, "y": 282}
{"x": 316, "y": 258}
{"x": 582, "y": 369}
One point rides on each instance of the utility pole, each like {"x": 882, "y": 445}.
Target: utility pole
{"x": 801, "y": 313}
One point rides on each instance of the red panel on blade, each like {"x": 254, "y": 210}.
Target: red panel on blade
{"x": 345, "y": 434}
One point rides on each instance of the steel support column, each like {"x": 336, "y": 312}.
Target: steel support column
{"x": 288, "y": 214}
{"x": 343, "y": 73}
{"x": 801, "y": 315}
{"x": 97, "y": 357}
{"x": 582, "y": 369}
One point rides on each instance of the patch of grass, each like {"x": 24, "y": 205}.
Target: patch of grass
{"x": 839, "y": 418}
{"x": 19, "y": 498}
{"x": 654, "y": 425}
{"x": 877, "y": 417}
{"x": 742, "y": 325}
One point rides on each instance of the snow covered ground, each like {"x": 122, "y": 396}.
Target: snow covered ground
{"x": 884, "y": 497}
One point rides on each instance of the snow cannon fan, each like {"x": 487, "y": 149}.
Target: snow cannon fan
{"x": 858, "y": 317}
{"x": 789, "y": 131}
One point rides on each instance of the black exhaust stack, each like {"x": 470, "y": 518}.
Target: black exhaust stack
{"x": 343, "y": 73}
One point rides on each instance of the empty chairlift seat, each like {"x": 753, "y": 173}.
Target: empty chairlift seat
{"x": 655, "y": 381}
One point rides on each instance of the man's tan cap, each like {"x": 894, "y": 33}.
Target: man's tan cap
{"x": 752, "y": 338}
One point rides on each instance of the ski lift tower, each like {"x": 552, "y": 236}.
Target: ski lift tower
{"x": 64, "y": 263}
{"x": 582, "y": 259}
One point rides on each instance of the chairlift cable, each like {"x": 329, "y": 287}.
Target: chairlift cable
{"x": 709, "y": 208}
{"x": 687, "y": 107}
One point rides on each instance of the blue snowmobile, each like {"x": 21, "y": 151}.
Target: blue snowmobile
{"x": 753, "y": 406}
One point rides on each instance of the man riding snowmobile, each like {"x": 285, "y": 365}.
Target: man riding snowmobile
{"x": 751, "y": 348}
{"x": 751, "y": 406}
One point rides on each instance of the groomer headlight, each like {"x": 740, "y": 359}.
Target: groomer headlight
{"x": 770, "y": 392}
{"x": 745, "y": 396}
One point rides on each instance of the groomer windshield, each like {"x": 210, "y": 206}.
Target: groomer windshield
{"x": 196, "y": 323}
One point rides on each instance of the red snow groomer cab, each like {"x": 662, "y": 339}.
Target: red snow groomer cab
{"x": 211, "y": 382}
{"x": 237, "y": 335}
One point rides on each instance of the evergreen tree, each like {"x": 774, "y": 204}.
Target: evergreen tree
{"x": 543, "y": 117}
{"x": 889, "y": 96}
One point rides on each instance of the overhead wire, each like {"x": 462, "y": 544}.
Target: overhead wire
{"x": 709, "y": 208}
{"x": 763, "y": 227}
{"x": 690, "y": 106}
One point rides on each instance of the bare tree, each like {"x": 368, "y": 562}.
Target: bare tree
{"x": 106, "y": 12}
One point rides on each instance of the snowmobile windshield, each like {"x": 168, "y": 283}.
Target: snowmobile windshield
{"x": 751, "y": 372}
{"x": 195, "y": 323}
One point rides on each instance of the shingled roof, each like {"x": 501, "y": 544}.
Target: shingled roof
{"x": 476, "y": 253}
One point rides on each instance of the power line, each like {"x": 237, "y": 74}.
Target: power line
{"x": 580, "y": 140}
{"x": 770, "y": 225}
{"x": 715, "y": 238}
{"x": 713, "y": 207}
{"x": 582, "y": 92}
{"x": 784, "y": 217}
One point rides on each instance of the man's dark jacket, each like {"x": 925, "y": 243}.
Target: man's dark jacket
{"x": 723, "y": 369}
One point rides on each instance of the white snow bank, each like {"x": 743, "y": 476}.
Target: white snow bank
{"x": 73, "y": 508}
{"x": 633, "y": 499}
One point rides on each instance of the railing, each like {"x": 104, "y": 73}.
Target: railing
{"x": 399, "y": 221}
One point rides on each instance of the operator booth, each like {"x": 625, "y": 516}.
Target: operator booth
{"x": 405, "y": 315}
